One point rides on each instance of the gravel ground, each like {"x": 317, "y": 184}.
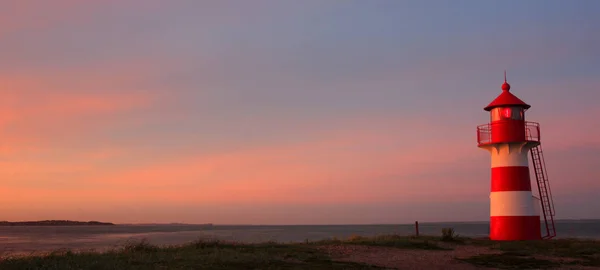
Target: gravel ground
{"x": 396, "y": 258}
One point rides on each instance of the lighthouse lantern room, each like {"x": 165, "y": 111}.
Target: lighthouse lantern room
{"x": 514, "y": 211}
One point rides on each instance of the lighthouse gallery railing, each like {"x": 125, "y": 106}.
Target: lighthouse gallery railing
{"x": 484, "y": 132}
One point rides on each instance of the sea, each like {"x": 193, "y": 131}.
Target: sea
{"x": 27, "y": 240}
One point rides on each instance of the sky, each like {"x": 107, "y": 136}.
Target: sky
{"x": 286, "y": 112}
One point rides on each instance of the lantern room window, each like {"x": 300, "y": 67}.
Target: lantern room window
{"x": 507, "y": 113}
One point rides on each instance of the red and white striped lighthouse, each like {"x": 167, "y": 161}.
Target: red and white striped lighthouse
{"x": 514, "y": 211}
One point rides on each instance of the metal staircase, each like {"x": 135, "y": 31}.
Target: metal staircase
{"x": 541, "y": 176}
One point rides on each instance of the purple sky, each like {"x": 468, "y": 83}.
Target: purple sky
{"x": 286, "y": 112}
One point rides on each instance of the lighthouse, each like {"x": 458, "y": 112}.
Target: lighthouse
{"x": 515, "y": 212}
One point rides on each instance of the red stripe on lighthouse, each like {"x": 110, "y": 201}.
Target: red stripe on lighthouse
{"x": 515, "y": 228}
{"x": 514, "y": 178}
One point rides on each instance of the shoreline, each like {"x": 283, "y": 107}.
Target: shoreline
{"x": 40, "y": 239}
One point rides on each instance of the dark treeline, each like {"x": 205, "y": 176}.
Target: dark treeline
{"x": 53, "y": 223}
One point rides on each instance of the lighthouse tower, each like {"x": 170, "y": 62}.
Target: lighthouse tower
{"x": 514, "y": 211}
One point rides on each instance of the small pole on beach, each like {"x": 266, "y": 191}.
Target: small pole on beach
{"x": 417, "y": 228}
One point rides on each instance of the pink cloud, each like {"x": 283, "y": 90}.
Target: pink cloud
{"x": 29, "y": 15}
{"x": 336, "y": 166}
{"x": 332, "y": 169}
{"x": 45, "y": 107}
{"x": 60, "y": 116}
{"x": 564, "y": 131}
{"x": 10, "y": 168}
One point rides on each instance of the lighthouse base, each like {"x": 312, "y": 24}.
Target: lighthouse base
{"x": 514, "y": 228}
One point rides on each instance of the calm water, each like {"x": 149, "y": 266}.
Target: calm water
{"x": 24, "y": 240}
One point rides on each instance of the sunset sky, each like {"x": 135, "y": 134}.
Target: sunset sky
{"x": 286, "y": 112}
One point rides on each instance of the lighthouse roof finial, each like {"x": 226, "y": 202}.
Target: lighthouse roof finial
{"x": 506, "y": 98}
{"x": 505, "y": 85}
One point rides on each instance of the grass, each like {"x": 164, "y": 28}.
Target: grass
{"x": 397, "y": 241}
{"x": 197, "y": 255}
{"x": 557, "y": 247}
{"x": 588, "y": 251}
{"x": 206, "y": 254}
{"x": 510, "y": 261}
{"x": 448, "y": 235}
{"x": 519, "y": 253}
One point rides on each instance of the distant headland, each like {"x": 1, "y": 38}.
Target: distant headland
{"x": 54, "y": 223}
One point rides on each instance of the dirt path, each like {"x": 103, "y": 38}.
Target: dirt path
{"x": 396, "y": 258}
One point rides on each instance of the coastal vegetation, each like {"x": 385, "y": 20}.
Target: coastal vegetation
{"x": 357, "y": 252}
{"x": 396, "y": 241}
{"x": 539, "y": 254}
{"x": 196, "y": 255}
{"x": 54, "y": 223}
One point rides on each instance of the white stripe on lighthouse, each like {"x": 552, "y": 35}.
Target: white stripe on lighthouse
{"x": 512, "y": 203}
{"x": 509, "y": 155}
